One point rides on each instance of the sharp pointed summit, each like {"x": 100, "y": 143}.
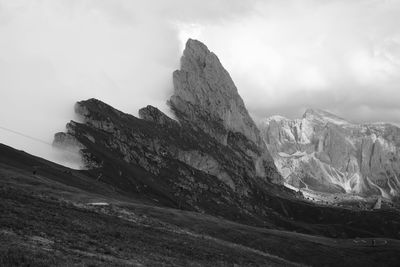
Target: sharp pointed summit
{"x": 323, "y": 116}
{"x": 206, "y": 97}
{"x": 205, "y": 93}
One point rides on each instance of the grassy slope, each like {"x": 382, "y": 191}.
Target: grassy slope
{"x": 45, "y": 220}
{"x": 46, "y": 230}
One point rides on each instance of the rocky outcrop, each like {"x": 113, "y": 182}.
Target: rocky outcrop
{"x": 326, "y": 153}
{"x": 205, "y": 95}
{"x": 206, "y": 98}
{"x": 152, "y": 114}
{"x": 211, "y": 159}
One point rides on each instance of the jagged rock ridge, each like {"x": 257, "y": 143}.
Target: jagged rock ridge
{"x": 326, "y": 153}
{"x": 212, "y": 158}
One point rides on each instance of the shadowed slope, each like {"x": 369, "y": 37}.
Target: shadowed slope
{"x": 47, "y": 219}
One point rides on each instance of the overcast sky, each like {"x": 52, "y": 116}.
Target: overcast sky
{"x": 284, "y": 56}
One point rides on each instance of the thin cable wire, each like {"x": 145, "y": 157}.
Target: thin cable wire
{"x": 37, "y": 140}
{"x": 25, "y": 135}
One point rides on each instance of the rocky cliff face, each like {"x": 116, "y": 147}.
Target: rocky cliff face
{"x": 211, "y": 159}
{"x": 326, "y": 153}
{"x": 205, "y": 97}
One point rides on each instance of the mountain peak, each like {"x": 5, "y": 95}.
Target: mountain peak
{"x": 323, "y": 116}
{"x": 194, "y": 55}
{"x": 205, "y": 94}
{"x": 317, "y": 112}
{"x": 195, "y": 44}
{"x": 206, "y": 98}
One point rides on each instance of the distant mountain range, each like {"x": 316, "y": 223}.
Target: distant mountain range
{"x": 326, "y": 153}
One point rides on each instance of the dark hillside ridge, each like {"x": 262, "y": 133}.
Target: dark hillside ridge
{"x": 49, "y": 219}
{"x": 169, "y": 162}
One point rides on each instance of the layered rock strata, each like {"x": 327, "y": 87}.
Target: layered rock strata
{"x": 323, "y": 152}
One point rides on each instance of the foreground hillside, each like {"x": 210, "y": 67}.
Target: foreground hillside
{"x": 48, "y": 219}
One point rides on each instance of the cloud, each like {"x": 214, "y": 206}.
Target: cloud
{"x": 343, "y": 56}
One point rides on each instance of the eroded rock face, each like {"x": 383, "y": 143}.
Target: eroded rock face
{"x": 206, "y": 98}
{"x": 206, "y": 95}
{"x": 171, "y": 162}
{"x": 211, "y": 158}
{"x": 153, "y": 114}
{"x": 326, "y": 153}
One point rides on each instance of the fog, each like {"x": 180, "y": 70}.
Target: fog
{"x": 284, "y": 56}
